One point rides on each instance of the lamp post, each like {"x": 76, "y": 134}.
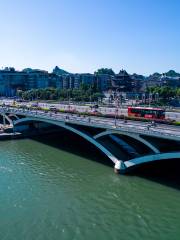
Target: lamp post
{"x": 117, "y": 105}
{"x": 90, "y": 93}
{"x": 69, "y": 107}
{"x": 143, "y": 98}
{"x": 156, "y": 97}
{"x": 137, "y": 99}
{"x": 150, "y": 99}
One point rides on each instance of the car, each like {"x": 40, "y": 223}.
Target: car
{"x": 95, "y": 106}
{"x": 23, "y": 106}
{"x": 34, "y": 105}
{"x": 53, "y": 108}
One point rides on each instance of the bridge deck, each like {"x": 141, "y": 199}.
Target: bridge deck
{"x": 161, "y": 130}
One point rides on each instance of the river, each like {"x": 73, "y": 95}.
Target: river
{"x": 50, "y": 193}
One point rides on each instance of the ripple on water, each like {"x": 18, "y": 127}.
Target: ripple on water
{"x": 55, "y": 194}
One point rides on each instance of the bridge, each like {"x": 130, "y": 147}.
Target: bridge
{"x": 128, "y": 144}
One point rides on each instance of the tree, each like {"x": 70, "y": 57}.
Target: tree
{"x": 108, "y": 71}
{"x": 85, "y": 93}
{"x": 165, "y": 93}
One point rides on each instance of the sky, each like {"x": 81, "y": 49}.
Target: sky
{"x": 141, "y": 36}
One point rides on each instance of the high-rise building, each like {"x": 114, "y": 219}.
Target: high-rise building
{"x": 77, "y": 81}
{"x": 37, "y": 79}
{"x": 103, "y": 81}
{"x": 55, "y": 81}
{"x": 87, "y": 78}
{"x": 65, "y": 81}
{"x": 11, "y": 81}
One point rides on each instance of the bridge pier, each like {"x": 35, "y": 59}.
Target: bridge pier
{"x": 119, "y": 167}
{"x": 4, "y": 120}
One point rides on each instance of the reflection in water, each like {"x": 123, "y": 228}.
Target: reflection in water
{"x": 51, "y": 189}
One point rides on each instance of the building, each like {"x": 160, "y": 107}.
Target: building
{"x": 65, "y": 81}
{"x": 37, "y": 79}
{"x": 138, "y": 83}
{"x": 11, "y": 81}
{"x": 77, "y": 81}
{"x": 103, "y": 81}
{"x": 122, "y": 81}
{"x": 87, "y": 78}
{"x": 55, "y": 81}
{"x": 71, "y": 81}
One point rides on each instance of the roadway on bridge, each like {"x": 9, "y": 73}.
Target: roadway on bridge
{"x": 107, "y": 123}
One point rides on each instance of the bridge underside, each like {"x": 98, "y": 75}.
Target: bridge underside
{"x": 130, "y": 149}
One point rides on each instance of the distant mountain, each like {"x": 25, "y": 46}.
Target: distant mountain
{"x": 59, "y": 71}
{"x": 172, "y": 73}
{"x": 137, "y": 76}
{"x": 27, "y": 70}
{"x": 156, "y": 74}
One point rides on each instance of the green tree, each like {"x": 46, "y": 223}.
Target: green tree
{"x": 104, "y": 71}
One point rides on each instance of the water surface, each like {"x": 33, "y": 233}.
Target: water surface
{"x": 49, "y": 193}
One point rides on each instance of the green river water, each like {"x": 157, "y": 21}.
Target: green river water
{"x": 49, "y": 193}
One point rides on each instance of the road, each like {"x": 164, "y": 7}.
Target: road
{"x": 104, "y": 110}
{"x": 173, "y": 115}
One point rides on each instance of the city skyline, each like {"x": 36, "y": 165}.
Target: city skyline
{"x": 64, "y": 71}
{"x": 82, "y": 37}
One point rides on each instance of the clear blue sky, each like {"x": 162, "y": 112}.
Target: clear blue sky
{"x": 140, "y": 36}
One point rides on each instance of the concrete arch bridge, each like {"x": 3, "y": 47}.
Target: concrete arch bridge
{"x": 131, "y": 144}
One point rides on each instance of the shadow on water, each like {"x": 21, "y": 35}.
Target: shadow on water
{"x": 165, "y": 172}
{"x": 72, "y": 143}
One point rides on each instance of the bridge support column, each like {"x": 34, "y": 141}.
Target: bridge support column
{"x": 119, "y": 167}
{"x": 4, "y": 120}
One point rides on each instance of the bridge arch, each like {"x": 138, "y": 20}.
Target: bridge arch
{"x": 151, "y": 158}
{"x": 131, "y": 135}
{"x": 7, "y": 118}
{"x": 83, "y": 135}
{"x": 13, "y": 115}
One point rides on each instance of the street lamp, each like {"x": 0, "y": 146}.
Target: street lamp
{"x": 150, "y": 99}
{"x": 156, "y": 97}
{"x": 90, "y": 93}
{"x": 117, "y": 105}
{"x": 143, "y": 98}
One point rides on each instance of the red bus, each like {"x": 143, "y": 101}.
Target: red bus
{"x": 146, "y": 112}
